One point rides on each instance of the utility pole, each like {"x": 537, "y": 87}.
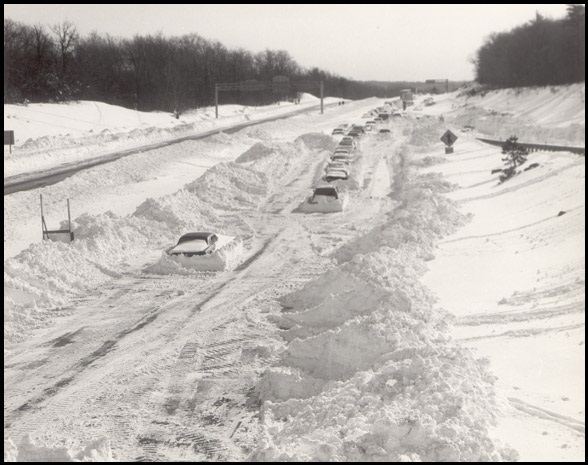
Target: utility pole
{"x": 216, "y": 101}
{"x": 322, "y": 90}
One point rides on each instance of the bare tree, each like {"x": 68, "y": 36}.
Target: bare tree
{"x": 67, "y": 37}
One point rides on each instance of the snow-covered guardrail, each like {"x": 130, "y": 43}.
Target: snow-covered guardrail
{"x": 538, "y": 147}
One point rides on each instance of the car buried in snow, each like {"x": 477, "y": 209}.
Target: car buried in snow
{"x": 341, "y": 159}
{"x": 338, "y": 132}
{"x": 335, "y": 174}
{"x": 324, "y": 199}
{"x": 337, "y": 165}
{"x": 348, "y": 141}
{"x": 195, "y": 244}
{"x": 202, "y": 250}
{"x": 384, "y": 131}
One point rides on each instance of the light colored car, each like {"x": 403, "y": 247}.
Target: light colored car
{"x": 204, "y": 251}
{"x": 336, "y": 175}
{"x": 341, "y": 158}
{"x": 337, "y": 165}
{"x": 194, "y": 244}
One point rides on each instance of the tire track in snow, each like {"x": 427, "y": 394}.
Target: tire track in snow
{"x": 545, "y": 414}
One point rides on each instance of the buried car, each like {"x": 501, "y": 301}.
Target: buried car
{"x": 335, "y": 174}
{"x": 195, "y": 243}
{"x": 324, "y": 199}
{"x": 204, "y": 251}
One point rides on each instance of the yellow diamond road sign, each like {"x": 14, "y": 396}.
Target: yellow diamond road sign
{"x": 448, "y": 138}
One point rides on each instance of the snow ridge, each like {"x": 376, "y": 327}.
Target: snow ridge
{"x": 370, "y": 371}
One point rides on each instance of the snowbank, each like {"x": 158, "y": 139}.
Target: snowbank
{"x": 48, "y": 275}
{"x": 27, "y": 451}
{"x": 543, "y": 115}
{"x": 370, "y": 372}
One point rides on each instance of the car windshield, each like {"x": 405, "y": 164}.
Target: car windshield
{"x": 325, "y": 191}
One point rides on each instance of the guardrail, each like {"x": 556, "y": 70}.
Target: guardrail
{"x": 538, "y": 147}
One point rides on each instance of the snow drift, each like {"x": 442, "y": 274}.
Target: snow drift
{"x": 370, "y": 372}
{"x": 48, "y": 275}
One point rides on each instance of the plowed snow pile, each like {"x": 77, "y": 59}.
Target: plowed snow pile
{"x": 46, "y": 276}
{"x": 28, "y": 451}
{"x": 370, "y": 371}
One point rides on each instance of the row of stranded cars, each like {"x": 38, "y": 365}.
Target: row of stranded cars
{"x": 326, "y": 198}
{"x": 202, "y": 248}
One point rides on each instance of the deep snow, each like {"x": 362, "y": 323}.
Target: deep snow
{"x": 353, "y": 336}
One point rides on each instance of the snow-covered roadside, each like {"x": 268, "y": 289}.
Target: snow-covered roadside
{"x": 369, "y": 371}
{"x": 542, "y": 115}
{"x": 513, "y": 278}
{"x": 48, "y": 136}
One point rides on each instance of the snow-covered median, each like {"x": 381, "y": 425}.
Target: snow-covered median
{"x": 49, "y": 135}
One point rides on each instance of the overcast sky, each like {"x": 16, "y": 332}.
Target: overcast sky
{"x": 379, "y": 42}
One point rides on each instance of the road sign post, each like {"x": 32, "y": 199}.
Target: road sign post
{"x": 448, "y": 138}
{"x": 9, "y": 140}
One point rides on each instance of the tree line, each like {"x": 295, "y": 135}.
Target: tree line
{"x": 151, "y": 72}
{"x": 541, "y": 52}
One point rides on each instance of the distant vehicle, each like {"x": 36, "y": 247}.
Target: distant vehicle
{"x": 396, "y": 114}
{"x": 384, "y": 131}
{"x": 341, "y": 158}
{"x": 348, "y": 141}
{"x": 467, "y": 128}
{"x": 337, "y": 132}
{"x": 336, "y": 175}
{"x": 406, "y": 97}
{"x": 429, "y": 101}
{"x": 344, "y": 153}
{"x": 338, "y": 164}
{"x": 325, "y": 200}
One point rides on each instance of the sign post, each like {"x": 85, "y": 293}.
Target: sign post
{"x": 448, "y": 139}
{"x": 9, "y": 140}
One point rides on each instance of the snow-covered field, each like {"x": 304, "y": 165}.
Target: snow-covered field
{"x": 439, "y": 317}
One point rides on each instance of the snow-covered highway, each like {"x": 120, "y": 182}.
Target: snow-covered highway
{"x": 388, "y": 331}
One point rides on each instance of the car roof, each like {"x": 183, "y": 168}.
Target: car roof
{"x": 192, "y": 236}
